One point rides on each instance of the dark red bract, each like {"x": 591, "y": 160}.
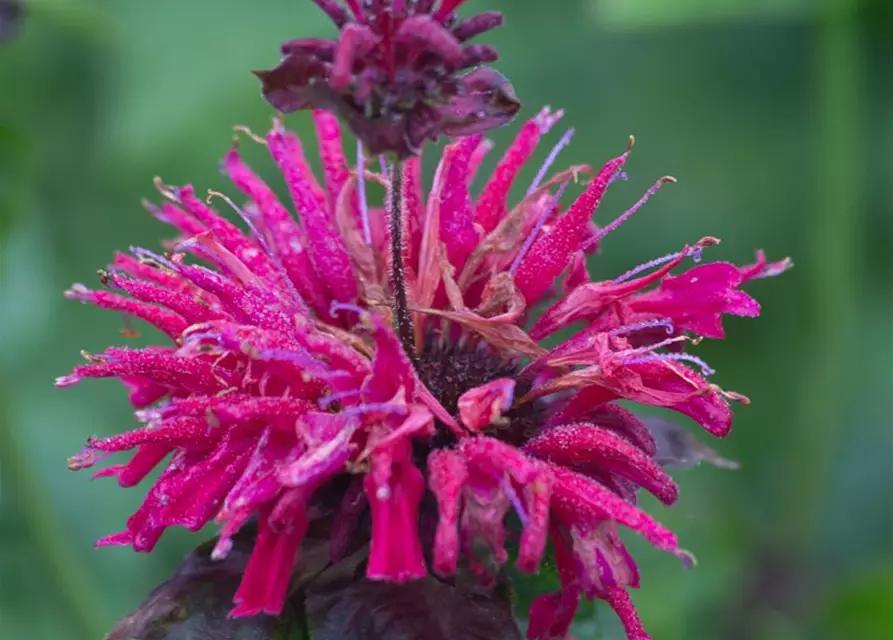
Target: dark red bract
{"x": 396, "y": 73}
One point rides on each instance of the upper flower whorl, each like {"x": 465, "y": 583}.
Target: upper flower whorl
{"x": 397, "y": 74}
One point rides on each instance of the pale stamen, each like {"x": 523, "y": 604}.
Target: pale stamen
{"x": 361, "y": 193}
{"x": 666, "y": 323}
{"x": 546, "y": 119}
{"x": 512, "y": 495}
{"x": 695, "y": 252}
{"x": 147, "y": 256}
{"x": 661, "y": 357}
{"x": 326, "y": 401}
{"x": 550, "y": 159}
{"x": 528, "y": 242}
{"x": 620, "y": 174}
{"x": 628, "y": 213}
{"x": 376, "y": 407}
{"x": 648, "y": 348}
{"x": 265, "y": 246}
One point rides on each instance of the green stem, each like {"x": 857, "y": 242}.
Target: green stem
{"x": 832, "y": 237}
{"x": 71, "y": 580}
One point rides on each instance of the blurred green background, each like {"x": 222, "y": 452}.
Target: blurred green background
{"x": 776, "y": 116}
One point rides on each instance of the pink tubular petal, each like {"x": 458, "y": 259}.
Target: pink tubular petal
{"x": 120, "y": 539}
{"x": 697, "y": 299}
{"x": 551, "y": 252}
{"x": 258, "y": 484}
{"x": 624, "y": 423}
{"x": 495, "y": 457}
{"x": 248, "y": 302}
{"x": 446, "y": 478}
{"x": 265, "y": 583}
{"x": 490, "y": 457}
{"x": 158, "y": 275}
{"x": 169, "y": 322}
{"x": 491, "y": 205}
{"x": 334, "y": 162}
{"x": 188, "y": 305}
{"x": 477, "y": 159}
{"x": 160, "y": 366}
{"x": 763, "y": 269}
{"x": 551, "y": 615}
{"x": 394, "y": 489}
{"x": 591, "y": 300}
{"x": 229, "y": 235}
{"x": 679, "y": 388}
{"x": 202, "y": 489}
{"x": 182, "y": 433}
{"x": 176, "y": 217}
{"x": 419, "y": 423}
{"x": 484, "y": 405}
{"x": 233, "y": 408}
{"x": 326, "y": 247}
{"x": 147, "y": 457}
{"x": 319, "y": 463}
{"x": 282, "y": 231}
{"x": 588, "y": 448}
{"x": 485, "y": 504}
{"x": 143, "y": 392}
{"x": 457, "y": 229}
{"x": 146, "y": 525}
{"x": 576, "y": 498}
{"x": 391, "y": 368}
{"x": 623, "y": 606}
{"x": 537, "y": 497}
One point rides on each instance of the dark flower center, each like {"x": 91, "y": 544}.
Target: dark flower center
{"x": 449, "y": 368}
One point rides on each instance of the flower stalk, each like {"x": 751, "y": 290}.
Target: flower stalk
{"x": 403, "y": 324}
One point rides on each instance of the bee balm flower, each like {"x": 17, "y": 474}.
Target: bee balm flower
{"x": 285, "y": 394}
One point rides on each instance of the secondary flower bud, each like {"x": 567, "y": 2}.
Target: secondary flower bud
{"x": 397, "y": 74}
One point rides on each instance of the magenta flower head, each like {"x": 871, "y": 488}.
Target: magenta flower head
{"x": 288, "y": 393}
{"x": 396, "y": 74}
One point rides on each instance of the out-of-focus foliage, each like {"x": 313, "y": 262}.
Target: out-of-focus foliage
{"x": 776, "y": 117}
